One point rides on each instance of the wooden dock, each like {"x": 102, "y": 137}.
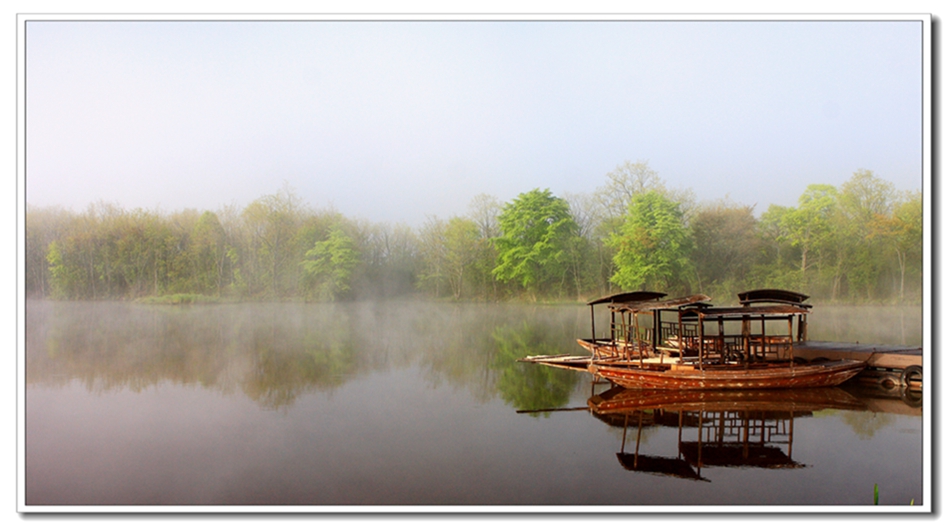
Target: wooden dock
{"x": 900, "y": 364}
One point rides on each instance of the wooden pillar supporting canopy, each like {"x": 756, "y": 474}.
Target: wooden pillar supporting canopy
{"x": 681, "y": 337}
{"x": 636, "y": 344}
{"x": 763, "y": 337}
{"x": 612, "y": 326}
{"x": 656, "y": 328}
{"x": 592, "y": 317}
{"x": 700, "y": 342}
{"x": 745, "y": 339}
{"x": 790, "y": 337}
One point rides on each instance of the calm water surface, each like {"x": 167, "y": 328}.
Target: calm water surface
{"x": 421, "y": 404}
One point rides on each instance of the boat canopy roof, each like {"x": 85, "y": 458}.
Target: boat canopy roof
{"x": 627, "y": 297}
{"x": 740, "y": 312}
{"x": 671, "y": 467}
{"x": 697, "y": 301}
{"x": 772, "y": 296}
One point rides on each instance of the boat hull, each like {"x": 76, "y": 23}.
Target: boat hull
{"x": 780, "y": 376}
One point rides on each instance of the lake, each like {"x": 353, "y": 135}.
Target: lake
{"x": 420, "y": 403}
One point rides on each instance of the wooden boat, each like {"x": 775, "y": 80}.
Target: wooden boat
{"x": 774, "y": 375}
{"x": 686, "y": 344}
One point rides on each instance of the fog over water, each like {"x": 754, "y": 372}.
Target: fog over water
{"x": 395, "y": 402}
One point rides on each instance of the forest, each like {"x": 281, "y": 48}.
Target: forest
{"x": 858, "y": 243}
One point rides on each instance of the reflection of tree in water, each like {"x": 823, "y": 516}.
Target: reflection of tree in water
{"x": 454, "y": 345}
{"x": 273, "y": 354}
{"x": 457, "y": 344}
{"x": 288, "y": 363}
{"x": 866, "y": 423}
{"x": 528, "y": 386}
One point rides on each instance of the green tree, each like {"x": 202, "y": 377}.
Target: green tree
{"x": 485, "y": 210}
{"x": 776, "y": 259}
{"x": 901, "y": 233}
{"x": 809, "y": 226}
{"x": 63, "y": 277}
{"x": 433, "y": 248}
{"x": 653, "y": 246}
{"x": 725, "y": 235}
{"x": 532, "y": 250}
{"x": 208, "y": 254}
{"x": 271, "y": 227}
{"x": 862, "y": 199}
{"x": 450, "y": 253}
{"x": 389, "y": 260}
{"x": 591, "y": 257}
{"x": 625, "y": 182}
{"x": 43, "y": 226}
{"x": 330, "y": 264}
{"x": 462, "y": 247}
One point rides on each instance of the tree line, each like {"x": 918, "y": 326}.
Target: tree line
{"x": 860, "y": 242}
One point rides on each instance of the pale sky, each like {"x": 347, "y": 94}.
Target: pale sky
{"x": 395, "y": 121}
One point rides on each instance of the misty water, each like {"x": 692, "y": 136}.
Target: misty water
{"x": 415, "y": 403}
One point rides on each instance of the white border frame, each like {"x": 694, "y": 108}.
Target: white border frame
{"x": 928, "y": 255}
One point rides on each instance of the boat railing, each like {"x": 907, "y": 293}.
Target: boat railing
{"x": 739, "y": 426}
{"x": 629, "y": 343}
{"x": 671, "y": 329}
{"x": 718, "y": 349}
{"x": 776, "y": 347}
{"x": 730, "y": 348}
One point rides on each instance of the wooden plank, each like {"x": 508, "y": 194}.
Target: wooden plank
{"x": 880, "y": 356}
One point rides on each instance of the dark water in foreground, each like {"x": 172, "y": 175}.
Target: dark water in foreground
{"x": 417, "y": 403}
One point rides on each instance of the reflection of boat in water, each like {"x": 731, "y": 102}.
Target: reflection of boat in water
{"x": 799, "y": 400}
{"x": 891, "y": 399}
{"x": 715, "y": 428}
{"x": 685, "y": 343}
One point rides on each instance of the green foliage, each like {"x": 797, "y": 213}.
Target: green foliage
{"x": 625, "y": 182}
{"x": 453, "y": 256}
{"x": 273, "y": 246}
{"x": 389, "y": 260}
{"x": 860, "y": 242}
{"x": 63, "y": 277}
{"x": 533, "y": 248}
{"x": 809, "y": 226}
{"x": 330, "y": 264}
{"x": 178, "y": 299}
{"x": 727, "y": 244}
{"x": 652, "y": 246}
{"x": 208, "y": 255}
